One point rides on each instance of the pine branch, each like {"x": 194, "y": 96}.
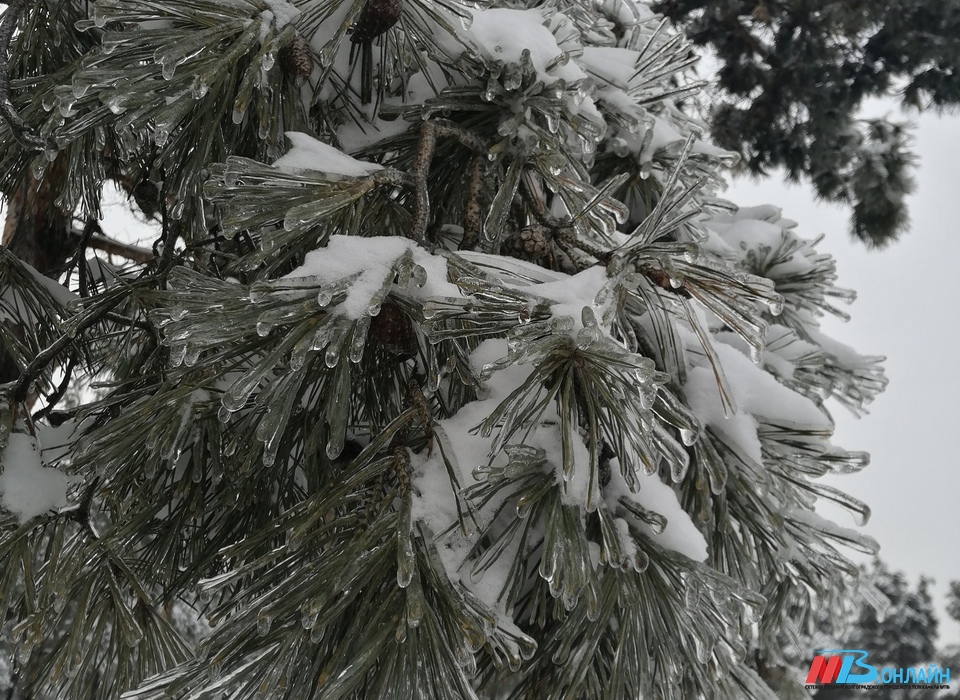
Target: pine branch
{"x": 78, "y": 325}
{"x": 115, "y": 247}
{"x": 27, "y": 138}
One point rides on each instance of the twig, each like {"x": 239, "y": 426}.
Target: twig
{"x": 79, "y": 257}
{"x": 46, "y": 356}
{"x": 169, "y": 237}
{"x": 54, "y": 398}
{"x": 81, "y": 512}
{"x": 429, "y": 132}
{"x": 539, "y": 208}
{"x": 114, "y": 247}
{"x": 18, "y": 127}
{"x": 419, "y": 172}
{"x": 466, "y": 138}
{"x": 472, "y": 208}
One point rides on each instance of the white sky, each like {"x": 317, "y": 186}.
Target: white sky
{"x": 906, "y": 310}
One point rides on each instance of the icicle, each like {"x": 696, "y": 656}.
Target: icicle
{"x": 406, "y": 563}
{"x": 359, "y": 339}
{"x": 264, "y": 620}
{"x": 332, "y": 356}
{"x": 415, "y": 604}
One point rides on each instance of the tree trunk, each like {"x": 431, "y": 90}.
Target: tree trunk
{"x": 36, "y": 230}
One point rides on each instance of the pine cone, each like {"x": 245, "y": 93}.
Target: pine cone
{"x": 531, "y": 244}
{"x": 393, "y": 329}
{"x": 296, "y": 59}
{"x": 376, "y": 17}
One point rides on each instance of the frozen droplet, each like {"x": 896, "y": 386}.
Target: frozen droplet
{"x": 316, "y": 633}
{"x": 199, "y": 88}
{"x": 308, "y": 620}
{"x": 689, "y": 437}
{"x": 108, "y": 46}
{"x": 332, "y": 357}
{"x": 66, "y": 107}
{"x": 264, "y": 328}
{"x": 269, "y": 456}
{"x": 640, "y": 561}
{"x": 115, "y": 104}
{"x": 192, "y": 355}
{"x": 553, "y": 124}
{"x": 79, "y": 88}
{"x": 334, "y": 446}
{"x": 419, "y": 275}
{"x": 263, "y": 624}
{"x": 177, "y": 353}
{"x": 38, "y": 168}
{"x": 326, "y": 55}
{"x": 776, "y": 305}
{"x": 429, "y": 310}
{"x": 703, "y": 649}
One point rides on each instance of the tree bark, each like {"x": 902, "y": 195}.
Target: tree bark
{"x": 37, "y": 231}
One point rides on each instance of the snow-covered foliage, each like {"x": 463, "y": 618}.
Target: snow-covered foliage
{"x": 478, "y": 389}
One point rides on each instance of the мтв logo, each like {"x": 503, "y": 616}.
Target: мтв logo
{"x": 836, "y": 669}
{"x": 849, "y": 667}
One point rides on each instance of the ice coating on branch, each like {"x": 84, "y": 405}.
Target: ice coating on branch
{"x": 310, "y": 154}
{"x": 27, "y": 488}
{"x": 507, "y": 35}
{"x": 12, "y": 306}
{"x": 435, "y": 504}
{"x": 503, "y": 35}
{"x": 371, "y": 259}
{"x": 571, "y": 294}
{"x": 680, "y": 534}
{"x": 756, "y": 393}
{"x": 568, "y": 295}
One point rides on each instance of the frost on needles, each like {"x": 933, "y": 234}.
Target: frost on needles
{"x": 475, "y": 390}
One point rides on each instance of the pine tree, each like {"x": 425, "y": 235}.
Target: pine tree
{"x": 793, "y": 75}
{"x": 475, "y": 388}
{"x": 899, "y": 630}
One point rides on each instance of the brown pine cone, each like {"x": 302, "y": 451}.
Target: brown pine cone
{"x": 376, "y": 17}
{"x": 394, "y": 331}
{"x": 296, "y": 59}
{"x": 531, "y": 244}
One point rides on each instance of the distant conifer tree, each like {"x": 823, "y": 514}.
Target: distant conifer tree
{"x": 793, "y": 76}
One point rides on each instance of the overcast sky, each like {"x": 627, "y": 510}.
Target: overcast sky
{"x": 906, "y": 310}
